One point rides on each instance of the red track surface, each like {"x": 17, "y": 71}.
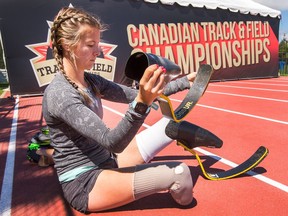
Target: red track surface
{"x": 244, "y": 114}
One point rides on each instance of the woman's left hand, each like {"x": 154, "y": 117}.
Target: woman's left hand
{"x": 191, "y": 77}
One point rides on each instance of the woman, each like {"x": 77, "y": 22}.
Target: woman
{"x": 85, "y": 148}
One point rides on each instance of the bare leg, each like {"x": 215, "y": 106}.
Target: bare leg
{"x": 130, "y": 156}
{"x": 112, "y": 189}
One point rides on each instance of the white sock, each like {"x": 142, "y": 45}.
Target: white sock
{"x": 152, "y": 140}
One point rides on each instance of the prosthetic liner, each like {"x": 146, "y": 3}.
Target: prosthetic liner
{"x": 139, "y": 61}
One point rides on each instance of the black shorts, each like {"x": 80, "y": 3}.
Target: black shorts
{"x": 76, "y": 192}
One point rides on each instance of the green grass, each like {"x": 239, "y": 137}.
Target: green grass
{"x": 2, "y": 87}
{"x": 284, "y": 70}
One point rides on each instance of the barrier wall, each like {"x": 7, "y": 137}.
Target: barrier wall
{"x": 238, "y": 46}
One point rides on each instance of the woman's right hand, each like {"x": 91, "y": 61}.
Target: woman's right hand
{"x": 151, "y": 84}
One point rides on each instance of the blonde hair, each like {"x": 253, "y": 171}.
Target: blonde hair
{"x": 65, "y": 31}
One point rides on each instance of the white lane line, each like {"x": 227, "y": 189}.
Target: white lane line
{"x": 260, "y": 89}
{"x": 121, "y": 114}
{"x": 7, "y": 185}
{"x": 227, "y": 162}
{"x": 239, "y": 113}
{"x": 245, "y": 114}
{"x": 248, "y": 96}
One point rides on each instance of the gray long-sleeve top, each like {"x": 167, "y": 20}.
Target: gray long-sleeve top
{"x": 78, "y": 134}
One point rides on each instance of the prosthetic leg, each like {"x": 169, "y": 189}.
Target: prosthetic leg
{"x": 190, "y": 136}
{"x": 187, "y": 135}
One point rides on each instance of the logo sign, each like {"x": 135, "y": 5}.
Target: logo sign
{"x": 223, "y": 45}
{"x": 45, "y": 66}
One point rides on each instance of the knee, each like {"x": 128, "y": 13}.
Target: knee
{"x": 182, "y": 170}
{"x": 182, "y": 189}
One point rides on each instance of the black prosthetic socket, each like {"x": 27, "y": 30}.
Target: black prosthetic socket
{"x": 192, "y": 135}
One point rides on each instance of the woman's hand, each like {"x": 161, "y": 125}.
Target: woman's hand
{"x": 191, "y": 77}
{"x": 151, "y": 84}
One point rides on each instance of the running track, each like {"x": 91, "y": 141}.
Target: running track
{"x": 244, "y": 114}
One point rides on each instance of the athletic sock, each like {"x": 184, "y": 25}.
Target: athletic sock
{"x": 162, "y": 176}
{"x": 152, "y": 140}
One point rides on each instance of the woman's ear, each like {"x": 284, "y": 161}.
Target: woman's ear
{"x": 66, "y": 47}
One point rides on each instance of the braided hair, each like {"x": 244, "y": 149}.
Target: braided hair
{"x": 65, "y": 31}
